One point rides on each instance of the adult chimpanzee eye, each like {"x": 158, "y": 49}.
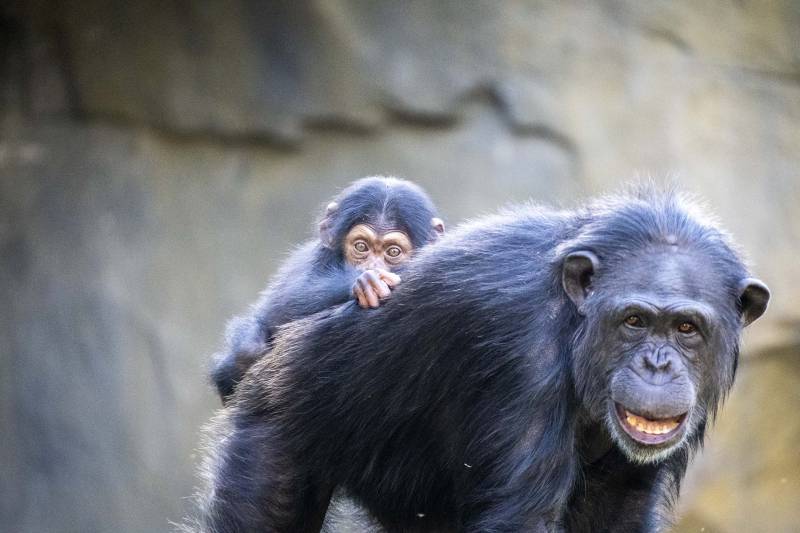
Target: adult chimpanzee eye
{"x": 394, "y": 251}
{"x": 687, "y": 328}
{"x": 634, "y": 321}
{"x": 360, "y": 246}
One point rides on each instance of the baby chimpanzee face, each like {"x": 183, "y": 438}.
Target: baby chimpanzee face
{"x": 366, "y": 247}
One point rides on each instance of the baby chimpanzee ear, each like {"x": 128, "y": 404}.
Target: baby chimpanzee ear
{"x": 438, "y": 225}
{"x": 325, "y": 225}
{"x": 576, "y": 276}
{"x": 753, "y": 299}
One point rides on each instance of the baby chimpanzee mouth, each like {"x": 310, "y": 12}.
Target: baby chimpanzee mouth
{"x": 649, "y": 431}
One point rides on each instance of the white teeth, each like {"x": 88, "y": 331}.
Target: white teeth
{"x": 651, "y": 427}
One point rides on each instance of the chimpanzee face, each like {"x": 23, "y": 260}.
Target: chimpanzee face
{"x": 377, "y": 223}
{"x": 366, "y": 247}
{"x": 660, "y": 345}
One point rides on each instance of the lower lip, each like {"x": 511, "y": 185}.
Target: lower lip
{"x": 647, "y": 438}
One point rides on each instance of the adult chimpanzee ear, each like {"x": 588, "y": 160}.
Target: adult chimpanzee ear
{"x": 579, "y": 267}
{"x": 325, "y": 229}
{"x": 753, "y": 299}
{"x": 438, "y": 225}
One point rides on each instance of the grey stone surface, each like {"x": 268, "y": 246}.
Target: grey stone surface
{"x": 158, "y": 159}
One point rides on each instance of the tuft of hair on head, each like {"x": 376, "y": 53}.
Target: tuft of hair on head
{"x": 380, "y": 200}
{"x": 645, "y": 213}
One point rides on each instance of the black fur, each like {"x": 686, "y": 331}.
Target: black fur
{"x": 316, "y": 276}
{"x": 469, "y": 402}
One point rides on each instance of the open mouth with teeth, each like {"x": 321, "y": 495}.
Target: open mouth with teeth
{"x": 649, "y": 431}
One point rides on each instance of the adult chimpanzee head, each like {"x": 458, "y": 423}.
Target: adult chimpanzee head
{"x": 661, "y": 298}
{"x": 377, "y": 222}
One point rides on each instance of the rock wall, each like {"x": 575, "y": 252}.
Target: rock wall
{"x": 157, "y": 160}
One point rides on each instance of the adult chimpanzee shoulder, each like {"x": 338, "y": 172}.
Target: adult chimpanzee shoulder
{"x": 536, "y": 371}
{"x": 368, "y": 231}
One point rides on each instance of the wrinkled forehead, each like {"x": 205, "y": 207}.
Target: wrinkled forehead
{"x": 669, "y": 272}
{"x": 371, "y": 232}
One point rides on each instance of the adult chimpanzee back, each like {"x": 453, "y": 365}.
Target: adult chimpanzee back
{"x": 537, "y": 370}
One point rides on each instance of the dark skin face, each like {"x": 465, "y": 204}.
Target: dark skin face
{"x": 657, "y": 331}
{"x": 662, "y": 343}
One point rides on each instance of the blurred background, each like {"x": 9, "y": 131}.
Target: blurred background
{"x": 159, "y": 158}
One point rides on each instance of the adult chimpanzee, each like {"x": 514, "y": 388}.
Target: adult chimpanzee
{"x": 368, "y": 230}
{"x": 536, "y": 371}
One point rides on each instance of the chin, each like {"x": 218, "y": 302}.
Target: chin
{"x": 647, "y": 440}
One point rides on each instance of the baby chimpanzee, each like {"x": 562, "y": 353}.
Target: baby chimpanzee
{"x": 367, "y": 232}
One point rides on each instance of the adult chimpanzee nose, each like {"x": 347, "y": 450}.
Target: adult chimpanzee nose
{"x": 659, "y": 360}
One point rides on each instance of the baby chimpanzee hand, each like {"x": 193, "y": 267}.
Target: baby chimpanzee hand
{"x": 374, "y": 285}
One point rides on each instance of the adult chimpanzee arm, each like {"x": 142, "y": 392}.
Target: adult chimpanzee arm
{"x": 239, "y": 503}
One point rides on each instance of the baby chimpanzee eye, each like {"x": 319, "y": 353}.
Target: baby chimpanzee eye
{"x": 394, "y": 251}
{"x": 360, "y": 246}
{"x": 687, "y": 327}
{"x": 634, "y": 321}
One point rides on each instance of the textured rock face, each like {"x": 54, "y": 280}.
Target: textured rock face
{"x": 158, "y": 159}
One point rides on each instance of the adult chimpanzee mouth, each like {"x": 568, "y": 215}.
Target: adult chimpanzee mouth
{"x": 650, "y": 431}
